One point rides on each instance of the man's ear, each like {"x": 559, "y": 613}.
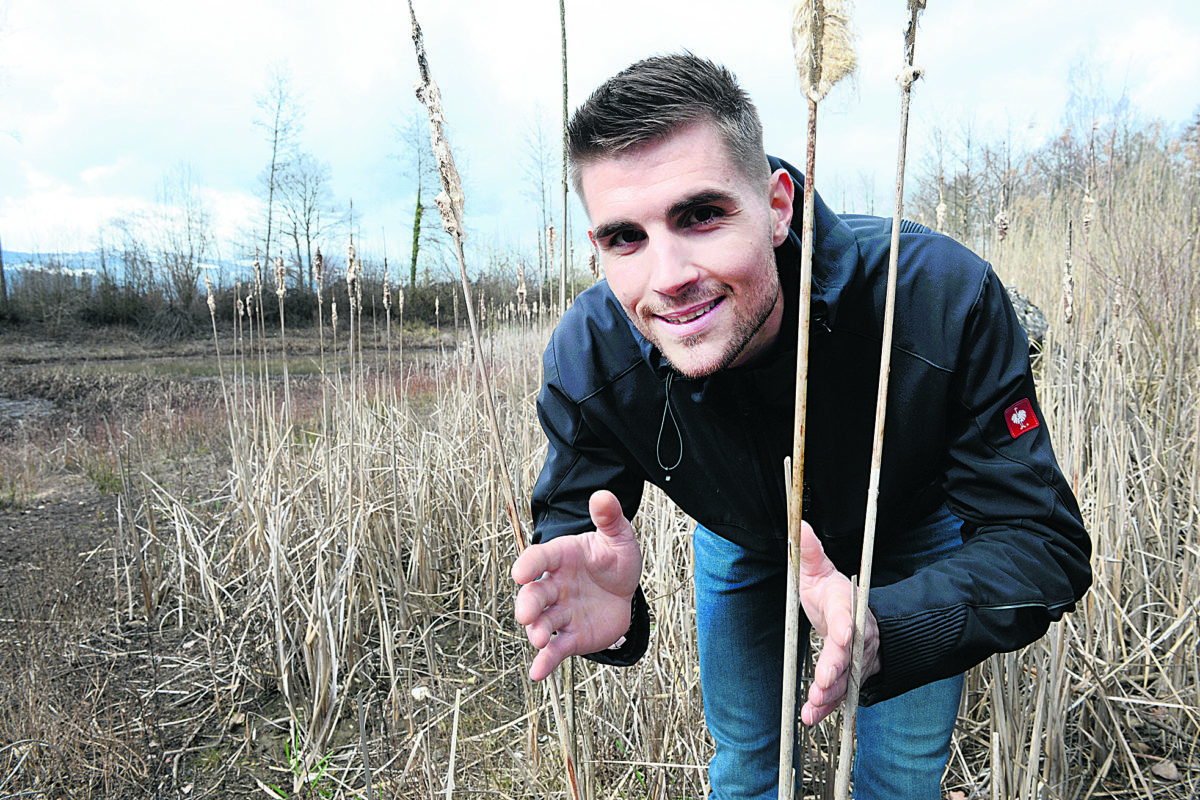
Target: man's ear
{"x": 782, "y": 193}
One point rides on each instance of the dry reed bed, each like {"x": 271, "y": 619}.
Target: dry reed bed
{"x": 363, "y": 551}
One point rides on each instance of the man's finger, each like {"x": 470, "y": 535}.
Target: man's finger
{"x": 532, "y": 601}
{"x": 553, "y": 620}
{"x": 550, "y": 656}
{"x": 540, "y": 558}
{"x": 812, "y": 714}
{"x": 831, "y": 692}
{"x": 832, "y": 664}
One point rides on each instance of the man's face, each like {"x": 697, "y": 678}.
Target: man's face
{"x": 687, "y": 242}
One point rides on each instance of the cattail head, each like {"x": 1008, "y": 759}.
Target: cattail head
{"x": 1089, "y": 211}
{"x": 941, "y": 214}
{"x": 257, "y": 274}
{"x": 1068, "y": 284}
{"x": 333, "y": 310}
{"x": 280, "y": 277}
{"x": 352, "y": 270}
{"x": 450, "y": 201}
{"x": 319, "y": 272}
{"x": 387, "y": 289}
{"x": 212, "y": 301}
{"x": 1001, "y": 225}
{"x": 823, "y": 43}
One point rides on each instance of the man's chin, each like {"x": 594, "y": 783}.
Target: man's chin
{"x": 694, "y": 362}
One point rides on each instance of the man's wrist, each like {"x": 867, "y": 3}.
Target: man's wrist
{"x": 628, "y": 649}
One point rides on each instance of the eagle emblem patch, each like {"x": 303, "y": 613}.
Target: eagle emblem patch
{"x": 1020, "y": 418}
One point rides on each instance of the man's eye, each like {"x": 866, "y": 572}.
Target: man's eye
{"x": 702, "y": 215}
{"x": 625, "y": 238}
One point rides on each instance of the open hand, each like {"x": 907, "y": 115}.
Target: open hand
{"x": 826, "y": 595}
{"x": 576, "y": 591}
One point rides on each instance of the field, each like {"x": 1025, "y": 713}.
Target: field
{"x": 274, "y": 561}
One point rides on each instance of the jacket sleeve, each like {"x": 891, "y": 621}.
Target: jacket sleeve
{"x": 1025, "y": 559}
{"x": 578, "y": 463}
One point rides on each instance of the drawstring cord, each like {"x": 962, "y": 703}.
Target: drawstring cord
{"x": 668, "y": 411}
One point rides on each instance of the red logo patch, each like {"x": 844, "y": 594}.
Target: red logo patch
{"x": 1020, "y": 418}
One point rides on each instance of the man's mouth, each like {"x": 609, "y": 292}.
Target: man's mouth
{"x": 694, "y": 314}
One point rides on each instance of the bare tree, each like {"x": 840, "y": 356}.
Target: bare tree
{"x": 306, "y": 202}
{"x": 420, "y": 167}
{"x": 539, "y": 163}
{"x": 281, "y": 119}
{"x": 184, "y": 236}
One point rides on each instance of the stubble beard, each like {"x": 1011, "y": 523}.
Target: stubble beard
{"x": 744, "y": 331}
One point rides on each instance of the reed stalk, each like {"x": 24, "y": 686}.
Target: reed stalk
{"x": 824, "y": 55}
{"x": 906, "y": 79}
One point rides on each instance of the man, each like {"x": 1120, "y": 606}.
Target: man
{"x": 679, "y": 370}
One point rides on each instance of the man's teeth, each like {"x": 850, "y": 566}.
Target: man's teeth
{"x": 694, "y": 315}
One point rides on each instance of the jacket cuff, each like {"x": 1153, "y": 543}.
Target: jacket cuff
{"x": 637, "y": 638}
{"x": 912, "y": 653}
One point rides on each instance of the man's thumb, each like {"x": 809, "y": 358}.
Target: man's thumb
{"x": 812, "y": 554}
{"x": 606, "y": 513}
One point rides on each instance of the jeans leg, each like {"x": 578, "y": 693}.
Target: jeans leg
{"x": 739, "y": 623}
{"x": 904, "y": 743}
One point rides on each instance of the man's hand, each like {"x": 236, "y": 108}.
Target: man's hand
{"x": 825, "y": 594}
{"x": 576, "y": 590}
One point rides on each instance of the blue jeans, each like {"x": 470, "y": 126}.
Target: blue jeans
{"x": 902, "y": 743}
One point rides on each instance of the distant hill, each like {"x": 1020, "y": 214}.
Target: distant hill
{"x": 91, "y": 263}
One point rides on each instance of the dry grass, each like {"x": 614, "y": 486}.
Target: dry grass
{"x": 1108, "y": 701}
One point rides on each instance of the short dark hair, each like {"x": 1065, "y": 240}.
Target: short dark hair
{"x": 656, "y": 97}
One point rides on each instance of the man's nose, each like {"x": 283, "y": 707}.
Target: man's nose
{"x": 673, "y": 266}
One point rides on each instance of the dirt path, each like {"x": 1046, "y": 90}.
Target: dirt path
{"x": 67, "y": 533}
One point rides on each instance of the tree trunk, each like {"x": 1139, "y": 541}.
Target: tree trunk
{"x": 299, "y": 255}
{"x": 271, "y": 181}
{"x": 416, "y": 238}
{"x": 308, "y": 237}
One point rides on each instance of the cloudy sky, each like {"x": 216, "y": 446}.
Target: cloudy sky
{"x": 99, "y": 101}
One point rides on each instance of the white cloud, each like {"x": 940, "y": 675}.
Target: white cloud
{"x": 1155, "y": 58}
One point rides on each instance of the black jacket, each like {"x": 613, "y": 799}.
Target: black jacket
{"x": 959, "y": 371}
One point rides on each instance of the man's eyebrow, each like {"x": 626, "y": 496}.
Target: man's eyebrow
{"x": 701, "y": 198}
{"x": 609, "y": 229}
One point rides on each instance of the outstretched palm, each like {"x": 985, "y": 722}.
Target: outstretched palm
{"x": 576, "y": 590}
{"x": 825, "y": 594}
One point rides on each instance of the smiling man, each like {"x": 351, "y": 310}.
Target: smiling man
{"x": 679, "y": 370}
